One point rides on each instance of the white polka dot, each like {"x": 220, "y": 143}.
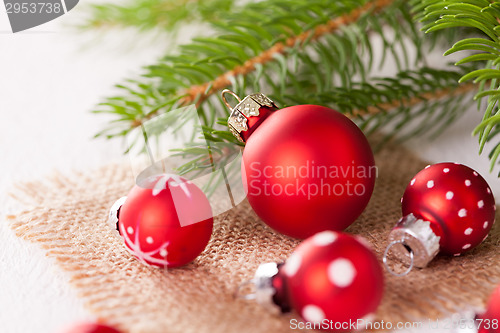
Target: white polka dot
{"x": 401, "y": 200}
{"x": 485, "y": 225}
{"x": 430, "y": 184}
{"x": 427, "y": 167}
{"x": 365, "y": 321}
{"x": 467, "y": 182}
{"x": 466, "y": 246}
{"x": 449, "y": 195}
{"x": 324, "y": 238}
{"x": 446, "y": 170}
{"x": 468, "y": 231}
{"x": 292, "y": 265}
{"x": 313, "y": 314}
{"x": 413, "y": 181}
{"x": 369, "y": 317}
{"x": 462, "y": 212}
{"x": 457, "y": 255}
{"x": 488, "y": 190}
{"x": 475, "y": 173}
{"x": 149, "y": 240}
{"x": 341, "y": 272}
{"x": 480, "y": 203}
{"x": 163, "y": 252}
{"x": 130, "y": 230}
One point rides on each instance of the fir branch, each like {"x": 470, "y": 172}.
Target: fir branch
{"x": 297, "y": 54}
{"x": 208, "y": 58}
{"x": 154, "y": 14}
{"x": 396, "y": 100}
{"x": 484, "y": 17}
{"x": 200, "y": 92}
{"x": 429, "y": 99}
{"x": 373, "y": 110}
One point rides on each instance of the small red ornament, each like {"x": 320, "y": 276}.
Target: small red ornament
{"x": 90, "y": 328}
{"x": 447, "y": 208}
{"x": 166, "y": 221}
{"x": 305, "y": 168}
{"x": 491, "y": 318}
{"x": 470, "y": 321}
{"x": 330, "y": 279}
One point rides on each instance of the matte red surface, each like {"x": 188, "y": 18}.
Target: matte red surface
{"x": 314, "y": 138}
{"x": 168, "y": 229}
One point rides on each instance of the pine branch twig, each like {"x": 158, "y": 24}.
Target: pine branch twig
{"x": 300, "y": 52}
{"x": 201, "y": 92}
{"x": 167, "y": 15}
{"x": 374, "y": 110}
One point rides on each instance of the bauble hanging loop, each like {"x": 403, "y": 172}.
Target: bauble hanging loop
{"x": 447, "y": 208}
{"x": 232, "y": 93}
{"x": 385, "y": 259}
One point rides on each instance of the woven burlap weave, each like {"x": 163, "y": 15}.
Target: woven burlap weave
{"x": 70, "y": 222}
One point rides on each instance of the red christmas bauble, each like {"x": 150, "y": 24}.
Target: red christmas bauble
{"x": 491, "y": 318}
{"x": 332, "y": 279}
{"x": 166, "y": 221}
{"x": 447, "y": 208}
{"x": 457, "y": 202}
{"x": 307, "y": 169}
{"x": 90, "y": 328}
{"x": 333, "y": 276}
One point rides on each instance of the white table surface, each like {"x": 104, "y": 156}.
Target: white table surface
{"x": 50, "y": 77}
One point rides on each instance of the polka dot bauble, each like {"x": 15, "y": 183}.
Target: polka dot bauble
{"x": 165, "y": 221}
{"x": 331, "y": 278}
{"x": 447, "y": 208}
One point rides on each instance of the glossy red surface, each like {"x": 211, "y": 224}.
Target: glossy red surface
{"x": 166, "y": 222}
{"x": 307, "y": 169}
{"x": 457, "y": 202}
{"x": 334, "y": 277}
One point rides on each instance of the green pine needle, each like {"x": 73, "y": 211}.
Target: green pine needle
{"x": 321, "y": 52}
{"x": 484, "y": 17}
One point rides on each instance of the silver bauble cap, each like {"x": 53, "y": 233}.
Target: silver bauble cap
{"x": 414, "y": 235}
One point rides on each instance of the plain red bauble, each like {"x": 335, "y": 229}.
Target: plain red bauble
{"x": 457, "y": 202}
{"x": 307, "y": 169}
{"x": 166, "y": 221}
{"x": 90, "y": 328}
{"x": 335, "y": 277}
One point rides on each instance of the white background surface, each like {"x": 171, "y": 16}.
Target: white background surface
{"x": 50, "y": 77}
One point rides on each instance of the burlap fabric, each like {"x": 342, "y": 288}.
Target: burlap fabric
{"x": 69, "y": 221}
